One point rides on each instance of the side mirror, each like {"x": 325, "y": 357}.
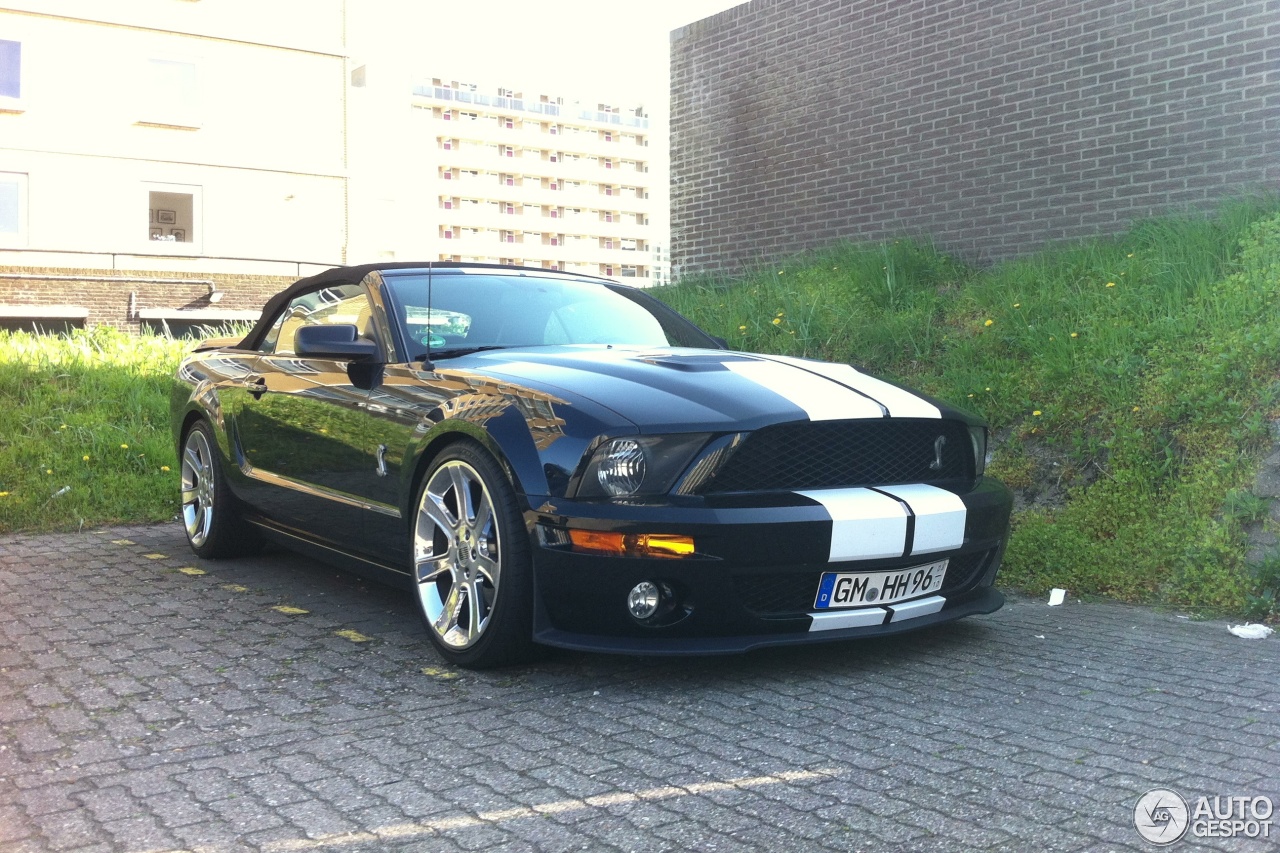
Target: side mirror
{"x": 339, "y": 342}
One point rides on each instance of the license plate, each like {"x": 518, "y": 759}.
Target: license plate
{"x": 862, "y": 589}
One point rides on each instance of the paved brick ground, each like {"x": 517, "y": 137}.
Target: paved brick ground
{"x": 153, "y": 702}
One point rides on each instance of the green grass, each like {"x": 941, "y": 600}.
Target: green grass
{"x": 1134, "y": 377}
{"x": 1131, "y": 379}
{"x": 89, "y": 413}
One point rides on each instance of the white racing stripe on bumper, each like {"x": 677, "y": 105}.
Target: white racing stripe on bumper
{"x": 866, "y": 616}
{"x": 865, "y": 525}
{"x": 860, "y": 618}
{"x": 912, "y": 609}
{"x": 940, "y": 516}
{"x": 900, "y": 402}
{"x": 820, "y": 398}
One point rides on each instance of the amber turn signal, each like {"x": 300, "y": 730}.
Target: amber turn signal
{"x": 662, "y": 545}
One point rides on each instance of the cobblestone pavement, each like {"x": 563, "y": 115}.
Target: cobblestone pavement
{"x": 153, "y": 702}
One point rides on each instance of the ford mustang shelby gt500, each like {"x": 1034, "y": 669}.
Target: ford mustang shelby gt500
{"x": 546, "y": 458}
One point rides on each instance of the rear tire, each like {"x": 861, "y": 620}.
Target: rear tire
{"x": 471, "y": 565}
{"x": 210, "y": 513}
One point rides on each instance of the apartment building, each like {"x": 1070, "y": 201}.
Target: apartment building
{"x": 539, "y": 181}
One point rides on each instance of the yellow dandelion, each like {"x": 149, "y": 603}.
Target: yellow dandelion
{"x": 1137, "y": 408}
{"x": 1111, "y": 284}
{"x": 64, "y": 426}
{"x": 4, "y": 494}
{"x": 781, "y": 314}
{"x": 970, "y": 396}
{"x": 1130, "y": 255}
{"x": 777, "y": 321}
{"x": 986, "y": 389}
{"x": 48, "y": 470}
{"x": 989, "y": 323}
{"x": 164, "y": 468}
{"x": 84, "y": 458}
{"x": 1036, "y": 413}
{"x": 742, "y": 328}
{"x": 124, "y": 447}
{"x": 782, "y": 272}
{"x": 1017, "y": 305}
{"x": 1075, "y": 335}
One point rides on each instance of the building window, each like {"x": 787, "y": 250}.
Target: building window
{"x": 608, "y": 269}
{"x": 446, "y": 144}
{"x": 509, "y": 124}
{"x": 13, "y": 209}
{"x": 553, "y": 185}
{"x": 171, "y": 93}
{"x": 448, "y": 204}
{"x": 10, "y": 73}
{"x": 608, "y": 217}
{"x": 608, "y": 137}
{"x": 608, "y": 164}
{"x": 608, "y": 190}
{"x": 447, "y": 175}
{"x": 172, "y": 215}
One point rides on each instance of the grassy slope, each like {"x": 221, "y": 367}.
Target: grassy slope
{"x": 89, "y": 412}
{"x": 1137, "y": 373}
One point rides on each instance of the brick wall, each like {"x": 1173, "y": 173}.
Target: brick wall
{"x": 114, "y": 298}
{"x": 991, "y": 127}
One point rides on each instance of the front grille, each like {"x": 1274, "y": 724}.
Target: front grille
{"x": 841, "y": 454}
{"x": 779, "y": 594}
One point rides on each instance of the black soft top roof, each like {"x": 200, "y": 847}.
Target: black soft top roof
{"x": 356, "y": 274}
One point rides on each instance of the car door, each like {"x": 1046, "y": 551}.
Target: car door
{"x": 302, "y": 433}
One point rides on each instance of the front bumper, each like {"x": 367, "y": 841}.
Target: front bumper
{"x": 756, "y": 575}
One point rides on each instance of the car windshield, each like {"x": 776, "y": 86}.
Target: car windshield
{"x": 471, "y": 311}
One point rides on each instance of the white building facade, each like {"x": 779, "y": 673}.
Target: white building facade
{"x": 173, "y": 135}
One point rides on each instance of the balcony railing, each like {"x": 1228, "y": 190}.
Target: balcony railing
{"x": 520, "y": 105}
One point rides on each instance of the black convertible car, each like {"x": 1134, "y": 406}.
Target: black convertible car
{"x": 556, "y": 459}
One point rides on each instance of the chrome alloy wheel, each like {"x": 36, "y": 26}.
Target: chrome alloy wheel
{"x": 457, "y": 554}
{"x": 197, "y": 487}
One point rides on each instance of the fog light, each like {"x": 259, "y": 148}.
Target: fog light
{"x": 643, "y": 600}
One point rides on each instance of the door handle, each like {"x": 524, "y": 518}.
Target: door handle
{"x": 257, "y": 386}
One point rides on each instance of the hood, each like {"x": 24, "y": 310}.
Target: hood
{"x": 677, "y": 390}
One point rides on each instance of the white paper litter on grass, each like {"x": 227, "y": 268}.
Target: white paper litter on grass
{"x": 1057, "y": 596}
{"x": 1251, "y": 632}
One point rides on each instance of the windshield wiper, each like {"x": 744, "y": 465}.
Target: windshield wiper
{"x": 454, "y": 352}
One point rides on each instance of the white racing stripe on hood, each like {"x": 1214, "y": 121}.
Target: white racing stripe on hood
{"x": 821, "y": 398}
{"x": 900, "y": 402}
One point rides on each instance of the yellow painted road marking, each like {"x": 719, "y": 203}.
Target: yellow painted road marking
{"x": 192, "y": 570}
{"x": 155, "y": 556}
{"x": 437, "y": 672}
{"x": 353, "y": 636}
{"x": 290, "y": 610}
{"x": 123, "y": 542}
{"x": 234, "y": 587}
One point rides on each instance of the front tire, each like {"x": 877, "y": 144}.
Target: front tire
{"x": 210, "y": 513}
{"x": 472, "y": 569}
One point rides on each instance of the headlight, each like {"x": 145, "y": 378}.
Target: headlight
{"x": 635, "y": 465}
{"x": 978, "y": 437}
{"x": 622, "y": 468}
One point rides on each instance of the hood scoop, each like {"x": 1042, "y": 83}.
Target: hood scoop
{"x": 699, "y": 363}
